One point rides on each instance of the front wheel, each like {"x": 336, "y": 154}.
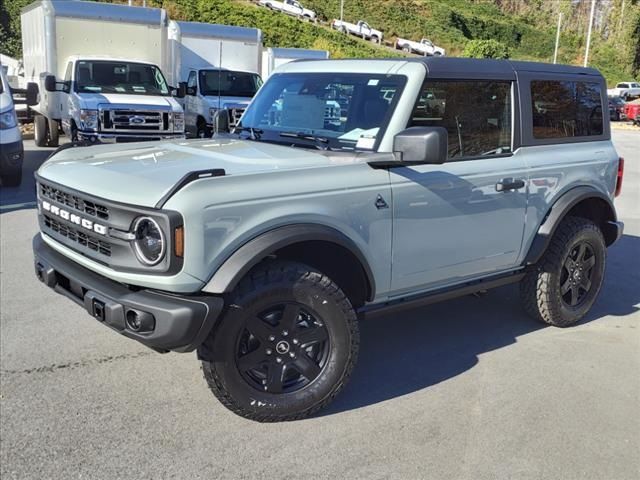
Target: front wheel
{"x": 285, "y": 346}
{"x": 561, "y": 289}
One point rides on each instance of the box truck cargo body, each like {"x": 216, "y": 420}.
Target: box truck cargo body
{"x": 220, "y": 65}
{"x": 99, "y": 68}
{"x": 272, "y": 58}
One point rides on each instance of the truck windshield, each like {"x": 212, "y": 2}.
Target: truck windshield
{"x": 229, "y": 84}
{"x": 337, "y": 111}
{"x": 106, "y": 76}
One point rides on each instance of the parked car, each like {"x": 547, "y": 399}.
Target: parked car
{"x": 99, "y": 70}
{"x": 626, "y": 90}
{"x": 290, "y": 7}
{"x": 632, "y": 111}
{"x": 424, "y": 47}
{"x": 616, "y": 109}
{"x": 11, "y": 148}
{"x": 360, "y": 29}
{"x": 263, "y": 247}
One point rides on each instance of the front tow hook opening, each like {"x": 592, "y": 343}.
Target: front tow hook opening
{"x": 97, "y": 310}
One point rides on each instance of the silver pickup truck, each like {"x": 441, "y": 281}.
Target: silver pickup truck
{"x": 263, "y": 248}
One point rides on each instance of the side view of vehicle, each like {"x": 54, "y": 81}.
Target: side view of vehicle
{"x": 360, "y": 29}
{"x": 616, "y": 109}
{"x": 632, "y": 111}
{"x": 290, "y": 7}
{"x": 424, "y": 47}
{"x": 626, "y": 90}
{"x": 98, "y": 90}
{"x": 263, "y": 247}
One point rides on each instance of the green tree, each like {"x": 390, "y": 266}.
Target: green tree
{"x": 486, "y": 49}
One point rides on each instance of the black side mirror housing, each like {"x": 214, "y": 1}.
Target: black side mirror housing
{"x": 221, "y": 121}
{"x": 180, "y": 90}
{"x": 421, "y": 145}
{"x": 32, "y": 91}
{"x": 50, "y": 83}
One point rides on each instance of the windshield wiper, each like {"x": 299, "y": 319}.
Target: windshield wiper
{"x": 254, "y": 133}
{"x": 322, "y": 143}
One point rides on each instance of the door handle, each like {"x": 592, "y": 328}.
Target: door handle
{"x": 509, "y": 184}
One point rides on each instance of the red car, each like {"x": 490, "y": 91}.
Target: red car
{"x": 632, "y": 111}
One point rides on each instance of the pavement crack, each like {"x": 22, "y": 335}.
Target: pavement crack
{"x": 78, "y": 364}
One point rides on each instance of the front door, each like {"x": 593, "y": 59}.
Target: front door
{"x": 464, "y": 218}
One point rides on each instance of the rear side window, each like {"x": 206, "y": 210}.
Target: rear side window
{"x": 566, "y": 109}
{"x": 476, "y": 115}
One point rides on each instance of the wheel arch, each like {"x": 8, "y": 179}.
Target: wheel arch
{"x": 585, "y": 202}
{"x": 319, "y": 246}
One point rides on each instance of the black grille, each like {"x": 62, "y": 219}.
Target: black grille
{"x": 75, "y": 202}
{"x": 77, "y": 236}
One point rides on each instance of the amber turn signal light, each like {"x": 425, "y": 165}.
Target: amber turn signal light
{"x": 178, "y": 241}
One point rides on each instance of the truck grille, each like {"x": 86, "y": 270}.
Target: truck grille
{"x": 73, "y": 201}
{"x": 127, "y": 120}
{"x": 77, "y": 236}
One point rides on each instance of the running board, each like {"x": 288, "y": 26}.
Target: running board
{"x": 436, "y": 296}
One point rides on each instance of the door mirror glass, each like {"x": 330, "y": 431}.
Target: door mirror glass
{"x": 419, "y": 145}
{"x": 31, "y": 97}
{"x": 50, "y": 83}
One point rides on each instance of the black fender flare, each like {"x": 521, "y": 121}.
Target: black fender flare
{"x": 559, "y": 210}
{"x": 234, "y": 268}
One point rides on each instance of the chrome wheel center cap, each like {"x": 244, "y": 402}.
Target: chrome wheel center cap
{"x": 282, "y": 347}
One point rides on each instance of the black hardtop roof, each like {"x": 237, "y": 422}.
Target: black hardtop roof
{"x": 440, "y": 66}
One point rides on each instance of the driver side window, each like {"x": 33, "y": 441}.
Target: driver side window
{"x": 476, "y": 115}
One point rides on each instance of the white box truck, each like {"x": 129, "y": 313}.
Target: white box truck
{"x": 221, "y": 67}
{"x": 272, "y": 58}
{"x": 98, "y": 66}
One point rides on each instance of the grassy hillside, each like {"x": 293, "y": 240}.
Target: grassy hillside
{"x": 526, "y": 27}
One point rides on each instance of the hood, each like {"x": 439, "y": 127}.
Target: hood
{"x": 90, "y": 101}
{"x": 142, "y": 173}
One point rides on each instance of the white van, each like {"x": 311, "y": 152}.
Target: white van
{"x": 11, "y": 150}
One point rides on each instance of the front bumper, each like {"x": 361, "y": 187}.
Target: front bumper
{"x": 11, "y": 155}
{"x": 97, "y": 137}
{"x": 167, "y": 322}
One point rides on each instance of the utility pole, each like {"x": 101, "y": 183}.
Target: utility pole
{"x": 341, "y": 11}
{"x": 555, "y": 53}
{"x": 621, "y": 15}
{"x": 586, "y": 53}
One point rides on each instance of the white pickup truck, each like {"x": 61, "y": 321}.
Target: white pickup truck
{"x": 625, "y": 90}
{"x": 423, "y": 47}
{"x": 291, "y": 7}
{"x": 361, "y": 29}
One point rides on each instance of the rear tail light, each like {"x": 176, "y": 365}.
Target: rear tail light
{"x": 619, "y": 176}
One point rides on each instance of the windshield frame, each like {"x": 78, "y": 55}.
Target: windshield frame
{"x": 333, "y": 143}
{"x": 203, "y": 72}
{"x": 78, "y": 89}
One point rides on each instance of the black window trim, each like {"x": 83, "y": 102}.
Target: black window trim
{"x": 515, "y": 113}
{"x": 528, "y": 140}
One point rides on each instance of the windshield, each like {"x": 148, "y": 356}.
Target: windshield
{"x": 106, "y": 76}
{"x": 229, "y": 84}
{"x": 346, "y": 111}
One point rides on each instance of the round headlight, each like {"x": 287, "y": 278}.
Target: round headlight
{"x": 149, "y": 243}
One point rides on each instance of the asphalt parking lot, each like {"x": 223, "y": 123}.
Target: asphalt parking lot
{"x": 467, "y": 389}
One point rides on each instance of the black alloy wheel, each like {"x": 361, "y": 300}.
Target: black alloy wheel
{"x": 577, "y": 273}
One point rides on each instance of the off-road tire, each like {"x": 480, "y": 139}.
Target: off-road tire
{"x": 54, "y": 133}
{"x": 540, "y": 289}
{"x": 265, "y": 286}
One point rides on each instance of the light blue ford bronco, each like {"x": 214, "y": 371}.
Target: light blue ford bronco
{"x": 262, "y": 248}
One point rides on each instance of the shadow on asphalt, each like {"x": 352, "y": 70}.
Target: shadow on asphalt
{"x": 402, "y": 354}
{"x": 24, "y": 196}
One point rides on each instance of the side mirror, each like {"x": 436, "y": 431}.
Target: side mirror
{"x": 31, "y": 97}
{"x": 180, "y": 91}
{"x": 192, "y": 91}
{"x": 221, "y": 121}
{"x": 50, "y": 83}
{"x": 419, "y": 145}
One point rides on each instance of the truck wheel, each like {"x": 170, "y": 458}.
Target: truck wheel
{"x": 285, "y": 346}
{"x": 13, "y": 179}
{"x": 406, "y": 49}
{"x": 343, "y": 29}
{"x": 202, "y": 131}
{"x": 40, "y": 130}
{"x": 374, "y": 40}
{"x": 566, "y": 282}
{"x": 54, "y": 133}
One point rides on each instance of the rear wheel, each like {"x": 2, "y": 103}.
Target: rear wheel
{"x": 54, "y": 133}
{"x": 201, "y": 129}
{"x": 40, "y": 131}
{"x": 285, "y": 347}
{"x": 566, "y": 282}
{"x": 406, "y": 49}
